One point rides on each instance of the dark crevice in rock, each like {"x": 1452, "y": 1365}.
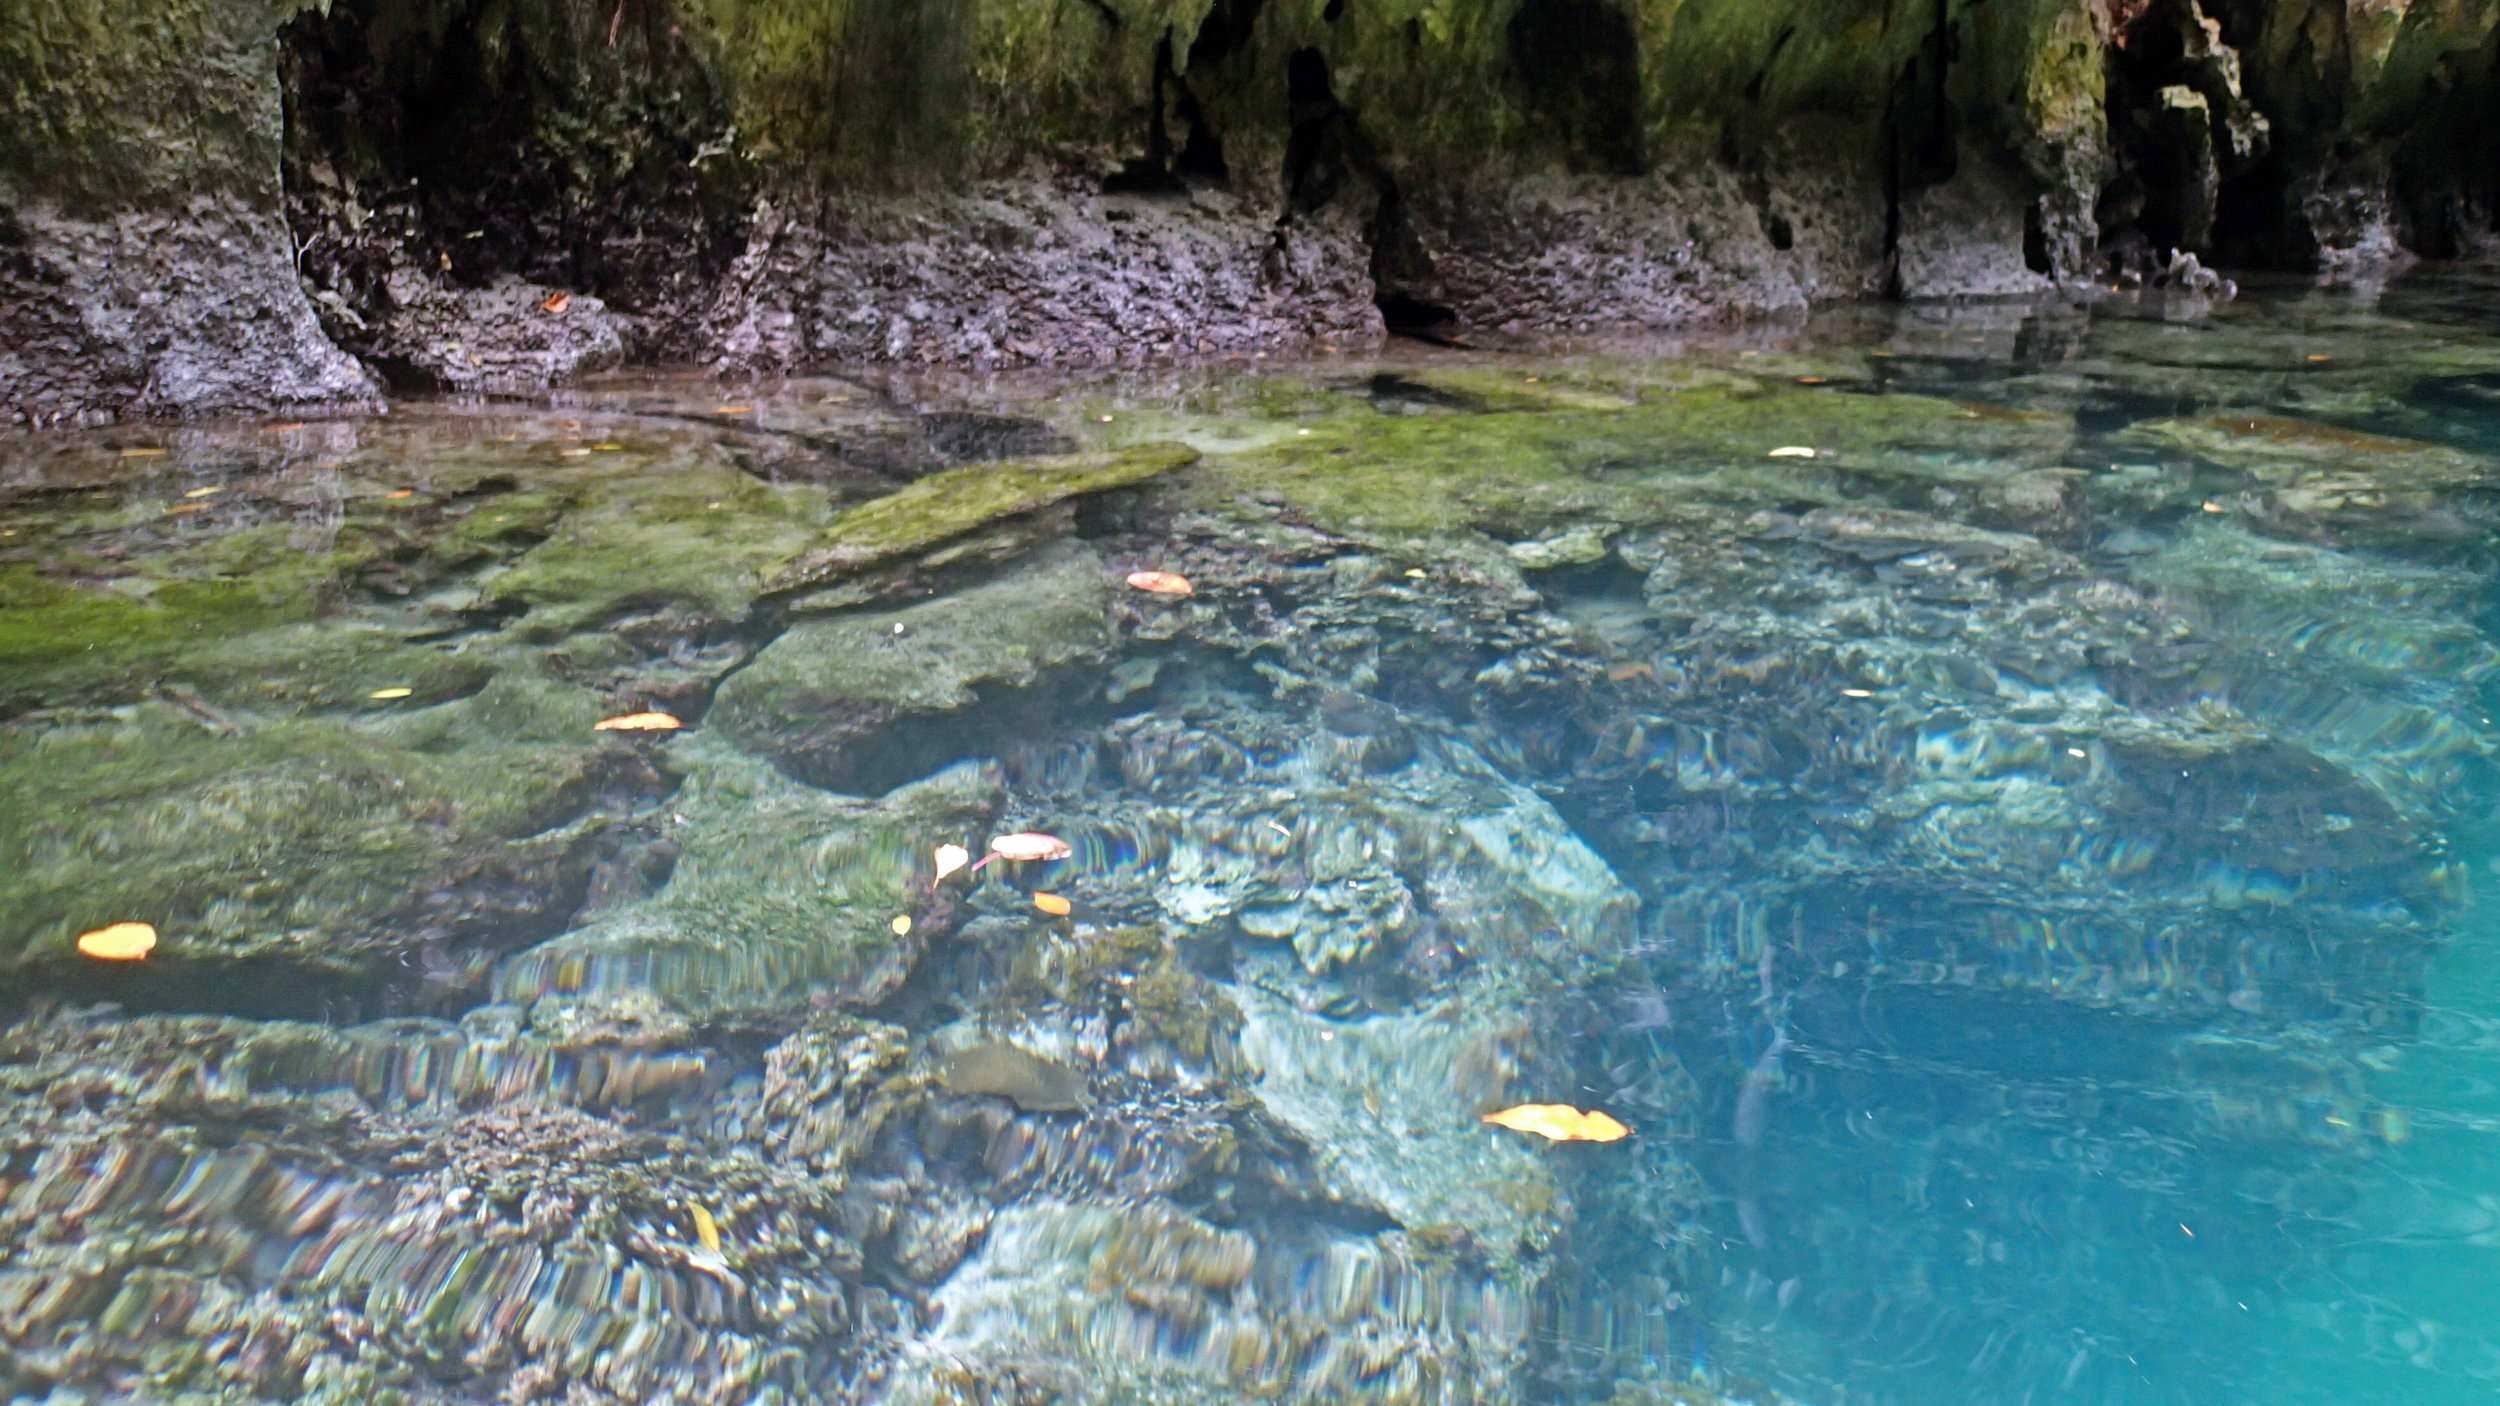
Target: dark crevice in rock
{"x": 1325, "y": 150}
{"x": 1409, "y": 316}
{"x": 1168, "y": 167}
{"x": 2189, "y": 148}
{"x": 1920, "y": 149}
{"x": 1577, "y": 66}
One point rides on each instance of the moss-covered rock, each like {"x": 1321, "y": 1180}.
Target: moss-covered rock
{"x": 310, "y": 842}
{"x": 782, "y": 895}
{"x": 818, "y": 698}
{"x": 959, "y": 501}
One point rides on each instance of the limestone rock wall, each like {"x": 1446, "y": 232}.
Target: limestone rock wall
{"x": 233, "y": 204}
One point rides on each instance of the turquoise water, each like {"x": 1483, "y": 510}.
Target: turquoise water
{"x": 1999, "y": 801}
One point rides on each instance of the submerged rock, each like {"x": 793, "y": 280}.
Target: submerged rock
{"x": 781, "y": 895}
{"x": 2320, "y": 480}
{"x": 836, "y": 699}
{"x": 312, "y": 844}
{"x": 1115, "y": 1303}
{"x": 948, "y": 505}
{"x": 286, "y": 1212}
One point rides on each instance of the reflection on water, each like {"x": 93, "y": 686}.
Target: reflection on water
{"x": 1998, "y": 800}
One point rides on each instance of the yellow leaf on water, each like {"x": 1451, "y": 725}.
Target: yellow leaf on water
{"x": 1792, "y": 451}
{"x": 951, "y": 858}
{"x": 901, "y": 925}
{"x": 638, "y": 722}
{"x": 707, "y": 1229}
{"x": 204, "y": 491}
{"x": 145, "y": 451}
{"x": 118, "y": 942}
{"x": 1053, "y": 904}
{"x": 401, "y": 493}
{"x": 1559, "y": 1122}
{"x": 387, "y": 694}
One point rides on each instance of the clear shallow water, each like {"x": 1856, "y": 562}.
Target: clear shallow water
{"x": 2019, "y": 859}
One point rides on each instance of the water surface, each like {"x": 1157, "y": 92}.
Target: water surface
{"x": 1998, "y": 799}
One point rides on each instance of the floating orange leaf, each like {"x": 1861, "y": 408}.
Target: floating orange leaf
{"x": 1559, "y": 1122}
{"x": 401, "y": 493}
{"x": 731, "y": 409}
{"x": 1053, "y": 904}
{"x": 1031, "y": 845}
{"x": 638, "y": 722}
{"x": 1812, "y": 380}
{"x": 118, "y": 942}
{"x": 951, "y": 858}
{"x": 556, "y": 303}
{"x": 1161, "y": 583}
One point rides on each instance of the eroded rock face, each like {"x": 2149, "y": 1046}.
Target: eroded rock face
{"x": 145, "y": 262}
{"x": 536, "y": 193}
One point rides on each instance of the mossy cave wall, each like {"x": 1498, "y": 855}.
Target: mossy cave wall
{"x": 229, "y": 204}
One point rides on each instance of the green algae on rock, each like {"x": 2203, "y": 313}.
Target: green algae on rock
{"x": 782, "y": 894}
{"x": 815, "y": 697}
{"x": 958, "y": 501}
{"x": 302, "y": 843}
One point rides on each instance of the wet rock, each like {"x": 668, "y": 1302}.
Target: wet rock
{"x": 831, "y": 1087}
{"x": 1389, "y": 1108}
{"x": 1964, "y": 238}
{"x": 782, "y": 895}
{"x": 818, "y": 698}
{"x": 507, "y": 338}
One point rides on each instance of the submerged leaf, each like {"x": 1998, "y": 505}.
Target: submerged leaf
{"x": 1161, "y": 583}
{"x": 1029, "y": 845}
{"x": 706, "y": 1229}
{"x": 118, "y": 942}
{"x": 1559, "y": 1122}
{"x": 638, "y": 722}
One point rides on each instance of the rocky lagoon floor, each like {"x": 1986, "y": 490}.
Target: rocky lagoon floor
{"x": 1999, "y": 801}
